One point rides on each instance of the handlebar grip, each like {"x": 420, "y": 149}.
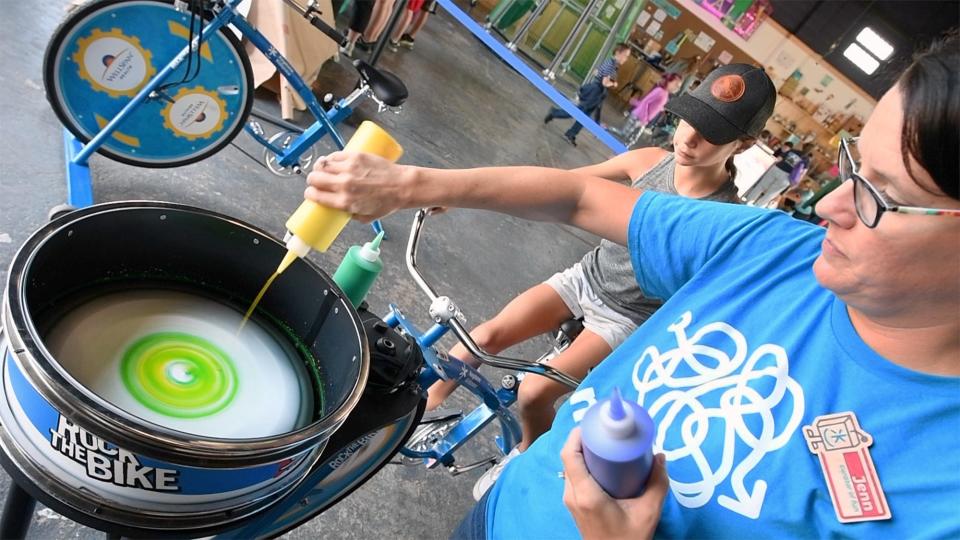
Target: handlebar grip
{"x": 458, "y": 329}
{"x": 311, "y": 14}
{"x": 328, "y": 30}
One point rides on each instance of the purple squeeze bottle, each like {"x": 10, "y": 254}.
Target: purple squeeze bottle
{"x": 618, "y": 445}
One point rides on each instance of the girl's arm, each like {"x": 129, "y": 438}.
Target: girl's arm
{"x": 627, "y": 166}
{"x": 371, "y": 187}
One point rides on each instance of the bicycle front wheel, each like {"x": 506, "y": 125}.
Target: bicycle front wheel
{"x": 107, "y": 51}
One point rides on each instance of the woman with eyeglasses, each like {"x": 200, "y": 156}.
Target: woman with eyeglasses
{"x": 804, "y": 381}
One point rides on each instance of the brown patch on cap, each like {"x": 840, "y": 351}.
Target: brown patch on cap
{"x": 728, "y": 88}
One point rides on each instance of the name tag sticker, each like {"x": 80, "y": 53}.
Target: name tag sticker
{"x": 843, "y": 449}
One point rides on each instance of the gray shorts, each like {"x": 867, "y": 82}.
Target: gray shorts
{"x": 580, "y": 299}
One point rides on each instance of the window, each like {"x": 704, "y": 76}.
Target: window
{"x": 868, "y": 50}
{"x": 861, "y": 58}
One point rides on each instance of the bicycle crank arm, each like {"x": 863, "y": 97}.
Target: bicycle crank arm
{"x": 455, "y": 470}
{"x": 441, "y": 415}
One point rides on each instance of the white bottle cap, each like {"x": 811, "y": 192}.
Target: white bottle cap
{"x": 297, "y": 245}
{"x": 370, "y": 251}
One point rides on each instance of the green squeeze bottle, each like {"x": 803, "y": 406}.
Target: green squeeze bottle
{"x": 359, "y": 269}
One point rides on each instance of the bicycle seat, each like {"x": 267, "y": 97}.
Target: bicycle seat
{"x": 572, "y": 328}
{"x": 385, "y": 85}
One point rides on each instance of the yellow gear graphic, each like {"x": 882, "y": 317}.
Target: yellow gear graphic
{"x": 84, "y": 44}
{"x": 184, "y": 92}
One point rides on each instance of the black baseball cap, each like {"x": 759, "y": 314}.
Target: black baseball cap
{"x": 733, "y": 101}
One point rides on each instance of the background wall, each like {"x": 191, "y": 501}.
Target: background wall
{"x": 688, "y": 20}
{"x": 782, "y": 54}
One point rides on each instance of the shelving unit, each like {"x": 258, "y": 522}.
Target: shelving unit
{"x": 787, "y": 111}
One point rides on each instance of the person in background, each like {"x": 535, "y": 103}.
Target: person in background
{"x": 794, "y": 196}
{"x": 645, "y": 109}
{"x": 793, "y": 158}
{"x": 807, "y": 209}
{"x": 591, "y": 95}
{"x": 399, "y": 30}
{"x": 362, "y": 10}
{"x": 404, "y": 37}
{"x": 780, "y": 344}
{"x": 787, "y": 171}
{"x": 784, "y": 148}
{"x": 765, "y": 137}
{"x": 382, "y": 9}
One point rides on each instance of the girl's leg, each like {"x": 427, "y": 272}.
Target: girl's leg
{"x": 419, "y": 20}
{"x": 537, "y": 394}
{"x": 538, "y": 310}
{"x": 381, "y": 14}
{"x": 401, "y": 26}
{"x": 358, "y": 23}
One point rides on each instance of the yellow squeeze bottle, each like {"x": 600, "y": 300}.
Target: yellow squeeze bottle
{"x": 314, "y": 226}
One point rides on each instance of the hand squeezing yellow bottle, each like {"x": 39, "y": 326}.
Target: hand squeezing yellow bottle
{"x": 314, "y": 226}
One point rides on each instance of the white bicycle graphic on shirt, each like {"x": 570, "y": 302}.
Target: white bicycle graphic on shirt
{"x": 712, "y": 379}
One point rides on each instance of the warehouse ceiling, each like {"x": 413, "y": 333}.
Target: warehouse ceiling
{"x": 830, "y": 26}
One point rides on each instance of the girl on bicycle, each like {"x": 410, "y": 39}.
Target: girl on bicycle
{"x": 601, "y": 289}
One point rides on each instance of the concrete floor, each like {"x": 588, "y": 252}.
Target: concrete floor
{"x": 466, "y": 108}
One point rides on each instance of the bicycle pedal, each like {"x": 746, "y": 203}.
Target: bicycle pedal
{"x": 455, "y": 470}
{"x": 441, "y": 415}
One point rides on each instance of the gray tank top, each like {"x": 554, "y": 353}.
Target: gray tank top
{"x": 608, "y": 268}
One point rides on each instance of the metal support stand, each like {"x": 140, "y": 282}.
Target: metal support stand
{"x": 565, "y": 65}
{"x": 549, "y": 72}
{"x": 17, "y": 513}
{"x": 549, "y": 28}
{"x": 79, "y": 187}
{"x": 527, "y": 24}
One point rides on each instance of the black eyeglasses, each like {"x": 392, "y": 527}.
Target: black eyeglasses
{"x": 867, "y": 199}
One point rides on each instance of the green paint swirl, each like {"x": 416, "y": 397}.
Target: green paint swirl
{"x": 179, "y": 375}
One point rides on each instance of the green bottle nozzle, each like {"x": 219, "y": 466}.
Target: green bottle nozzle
{"x": 371, "y": 250}
{"x": 375, "y": 244}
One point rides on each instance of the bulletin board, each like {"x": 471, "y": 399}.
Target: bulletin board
{"x": 671, "y": 26}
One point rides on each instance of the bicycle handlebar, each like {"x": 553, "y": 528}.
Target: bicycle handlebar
{"x": 458, "y": 329}
{"x": 311, "y": 14}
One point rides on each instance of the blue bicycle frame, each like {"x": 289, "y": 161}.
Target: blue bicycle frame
{"x": 229, "y": 15}
{"x": 78, "y": 176}
{"x": 443, "y": 366}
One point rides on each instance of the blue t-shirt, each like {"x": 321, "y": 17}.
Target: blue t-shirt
{"x": 746, "y": 351}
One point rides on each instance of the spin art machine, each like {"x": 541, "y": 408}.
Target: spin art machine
{"x": 130, "y": 402}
